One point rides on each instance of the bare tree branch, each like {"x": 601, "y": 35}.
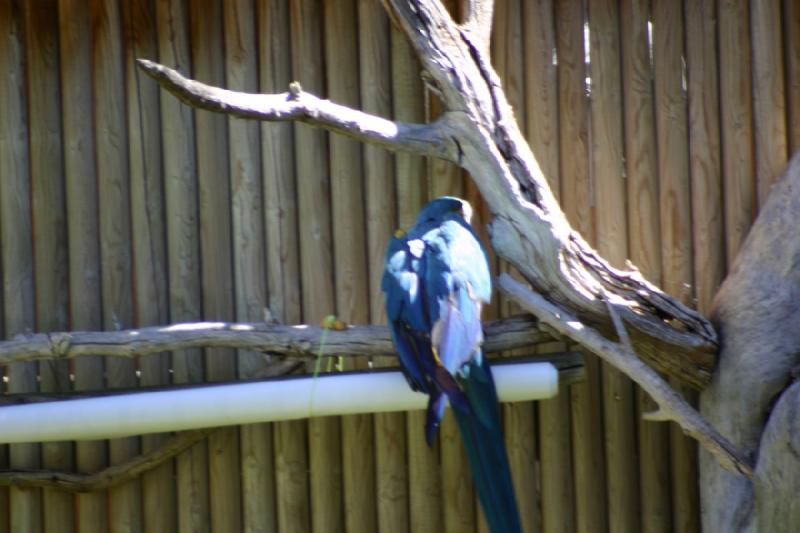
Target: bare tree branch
{"x": 293, "y": 341}
{"x": 108, "y": 477}
{"x": 529, "y": 229}
{"x": 433, "y": 139}
{"x": 671, "y": 405}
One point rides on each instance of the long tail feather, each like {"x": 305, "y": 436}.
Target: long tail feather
{"x": 483, "y": 441}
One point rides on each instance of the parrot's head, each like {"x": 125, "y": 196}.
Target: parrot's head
{"x": 445, "y": 208}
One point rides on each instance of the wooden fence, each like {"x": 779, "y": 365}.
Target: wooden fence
{"x": 660, "y": 125}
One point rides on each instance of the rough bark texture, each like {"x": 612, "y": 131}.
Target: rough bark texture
{"x": 292, "y": 341}
{"x": 757, "y": 312}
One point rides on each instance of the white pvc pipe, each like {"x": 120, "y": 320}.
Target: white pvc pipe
{"x": 245, "y": 403}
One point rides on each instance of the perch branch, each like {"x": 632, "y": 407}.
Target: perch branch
{"x": 293, "y": 341}
{"x": 671, "y": 406}
{"x": 432, "y": 139}
{"x": 108, "y": 477}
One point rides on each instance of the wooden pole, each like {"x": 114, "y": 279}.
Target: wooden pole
{"x": 738, "y": 170}
{"x": 113, "y": 180}
{"x": 769, "y": 100}
{"x": 578, "y": 201}
{"x": 704, "y": 149}
{"x": 25, "y": 505}
{"x": 82, "y": 229}
{"x": 676, "y": 229}
{"x": 316, "y": 254}
{"x": 645, "y": 250}
{"x": 283, "y": 249}
{"x": 609, "y": 192}
{"x": 149, "y": 259}
{"x": 180, "y": 185}
{"x": 249, "y": 253}
{"x": 350, "y": 256}
{"x": 49, "y": 217}
{"x": 216, "y": 256}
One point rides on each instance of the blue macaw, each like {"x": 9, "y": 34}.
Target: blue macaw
{"x": 436, "y": 280}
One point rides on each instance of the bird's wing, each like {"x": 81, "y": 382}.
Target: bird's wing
{"x": 457, "y": 284}
{"x": 405, "y": 286}
{"x": 404, "y": 308}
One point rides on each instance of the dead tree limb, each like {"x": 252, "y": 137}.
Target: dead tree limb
{"x": 108, "y": 477}
{"x": 670, "y": 404}
{"x": 296, "y": 104}
{"x": 291, "y": 341}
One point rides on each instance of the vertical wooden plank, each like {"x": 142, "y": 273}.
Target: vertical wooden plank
{"x": 573, "y": 118}
{"x": 211, "y": 137}
{"x": 395, "y": 195}
{"x": 704, "y": 149}
{"x": 350, "y": 257}
{"x": 315, "y": 251}
{"x": 281, "y": 216}
{"x": 641, "y": 161}
{"x": 577, "y": 201}
{"x": 180, "y": 191}
{"x": 609, "y": 192}
{"x": 280, "y": 187}
{"x": 676, "y": 230}
{"x": 769, "y": 104}
{"x": 791, "y": 46}
{"x": 408, "y": 104}
{"x": 541, "y": 87}
{"x": 115, "y": 232}
{"x": 149, "y": 257}
{"x": 258, "y": 487}
{"x": 738, "y": 167}
{"x": 82, "y": 230}
{"x": 49, "y": 217}
{"x": 16, "y": 235}
{"x": 706, "y": 192}
{"x": 644, "y": 238}
{"x": 541, "y": 106}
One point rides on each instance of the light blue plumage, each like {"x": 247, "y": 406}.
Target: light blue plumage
{"x": 435, "y": 282}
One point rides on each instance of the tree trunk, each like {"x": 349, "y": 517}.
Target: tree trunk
{"x": 751, "y": 399}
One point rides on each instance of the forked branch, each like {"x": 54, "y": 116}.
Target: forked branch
{"x": 620, "y": 354}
